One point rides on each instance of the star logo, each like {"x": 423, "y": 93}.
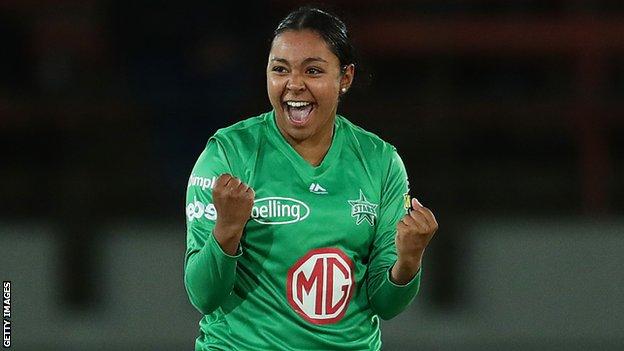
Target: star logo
{"x": 363, "y": 210}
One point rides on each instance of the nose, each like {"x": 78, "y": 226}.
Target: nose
{"x": 296, "y": 83}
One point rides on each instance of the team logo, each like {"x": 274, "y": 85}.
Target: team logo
{"x": 320, "y": 285}
{"x": 279, "y": 210}
{"x": 363, "y": 210}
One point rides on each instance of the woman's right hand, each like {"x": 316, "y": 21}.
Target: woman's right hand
{"x": 233, "y": 201}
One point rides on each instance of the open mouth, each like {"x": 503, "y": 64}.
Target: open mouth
{"x": 298, "y": 112}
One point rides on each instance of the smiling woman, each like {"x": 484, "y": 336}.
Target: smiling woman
{"x": 314, "y": 237}
{"x": 310, "y": 64}
{"x": 304, "y": 80}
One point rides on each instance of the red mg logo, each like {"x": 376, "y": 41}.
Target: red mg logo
{"x": 320, "y": 285}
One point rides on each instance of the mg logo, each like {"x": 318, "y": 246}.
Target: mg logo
{"x": 320, "y": 285}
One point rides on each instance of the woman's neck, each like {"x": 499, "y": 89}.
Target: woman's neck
{"x": 314, "y": 148}
{"x": 313, "y": 153}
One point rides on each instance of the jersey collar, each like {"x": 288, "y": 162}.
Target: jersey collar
{"x": 277, "y": 139}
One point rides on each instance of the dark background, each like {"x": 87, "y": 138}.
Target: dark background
{"x": 508, "y": 116}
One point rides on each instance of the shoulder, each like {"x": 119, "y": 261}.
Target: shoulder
{"x": 247, "y": 131}
{"x": 240, "y": 142}
{"x": 370, "y": 143}
{"x": 380, "y": 158}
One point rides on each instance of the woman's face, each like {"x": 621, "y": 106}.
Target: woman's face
{"x": 304, "y": 82}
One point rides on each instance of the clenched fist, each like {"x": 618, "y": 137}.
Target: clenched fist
{"x": 233, "y": 201}
{"x": 414, "y": 231}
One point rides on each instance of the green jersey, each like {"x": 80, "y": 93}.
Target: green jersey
{"x": 312, "y": 271}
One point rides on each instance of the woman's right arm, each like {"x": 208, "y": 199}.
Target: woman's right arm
{"x": 212, "y": 245}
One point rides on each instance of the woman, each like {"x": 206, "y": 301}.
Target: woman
{"x": 300, "y": 233}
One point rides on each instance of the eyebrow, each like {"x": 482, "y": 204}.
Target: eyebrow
{"x": 307, "y": 60}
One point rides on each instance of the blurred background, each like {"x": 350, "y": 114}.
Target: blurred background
{"x": 508, "y": 115}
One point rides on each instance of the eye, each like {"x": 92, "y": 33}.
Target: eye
{"x": 314, "y": 71}
{"x": 279, "y": 69}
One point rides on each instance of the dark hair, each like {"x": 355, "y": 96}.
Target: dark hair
{"x": 327, "y": 25}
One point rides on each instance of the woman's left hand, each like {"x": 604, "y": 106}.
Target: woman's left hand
{"x": 414, "y": 232}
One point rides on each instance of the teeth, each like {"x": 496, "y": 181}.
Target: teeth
{"x": 297, "y": 103}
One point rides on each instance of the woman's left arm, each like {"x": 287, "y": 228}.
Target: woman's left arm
{"x": 395, "y": 262}
{"x": 414, "y": 231}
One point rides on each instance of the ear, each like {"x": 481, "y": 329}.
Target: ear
{"x": 346, "y": 79}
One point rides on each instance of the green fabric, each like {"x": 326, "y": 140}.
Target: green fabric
{"x": 312, "y": 270}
